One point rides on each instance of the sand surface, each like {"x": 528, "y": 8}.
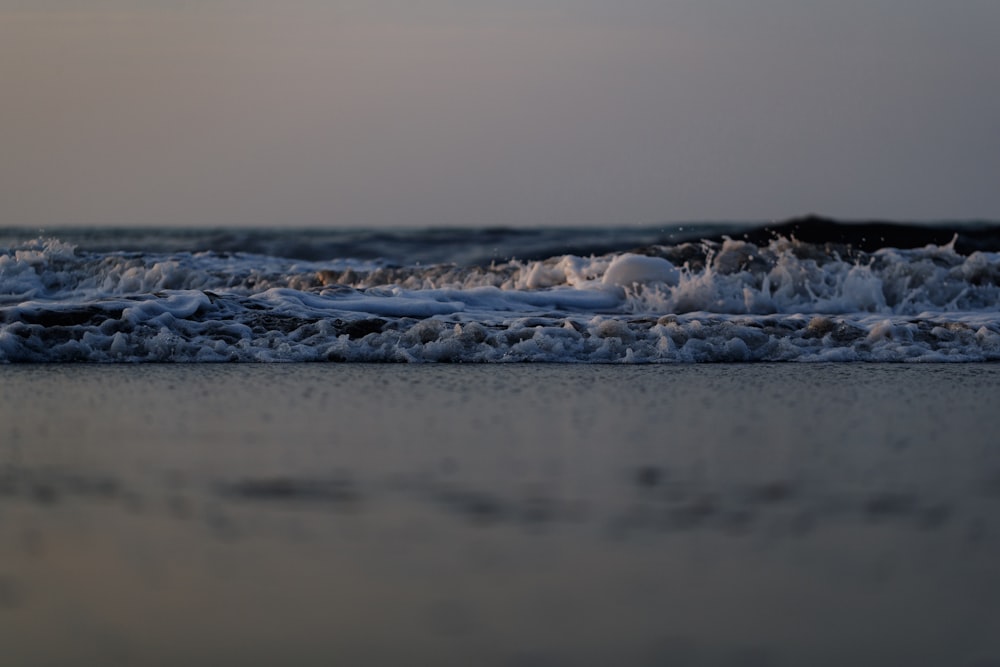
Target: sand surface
{"x": 500, "y": 515}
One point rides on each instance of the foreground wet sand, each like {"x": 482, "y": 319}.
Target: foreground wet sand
{"x": 500, "y": 515}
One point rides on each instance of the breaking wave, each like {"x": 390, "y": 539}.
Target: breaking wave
{"x": 808, "y": 290}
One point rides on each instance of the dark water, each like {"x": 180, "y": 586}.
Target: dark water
{"x": 477, "y": 247}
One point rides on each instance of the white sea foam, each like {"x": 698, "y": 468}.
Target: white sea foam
{"x": 726, "y": 301}
{"x": 628, "y": 270}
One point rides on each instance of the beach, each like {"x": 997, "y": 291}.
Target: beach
{"x": 515, "y": 514}
{"x": 531, "y": 334}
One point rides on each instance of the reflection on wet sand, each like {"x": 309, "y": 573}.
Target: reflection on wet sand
{"x": 644, "y": 502}
{"x": 661, "y": 521}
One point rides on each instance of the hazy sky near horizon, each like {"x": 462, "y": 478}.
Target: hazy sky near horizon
{"x": 465, "y": 112}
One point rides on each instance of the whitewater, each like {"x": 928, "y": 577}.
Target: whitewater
{"x": 807, "y": 290}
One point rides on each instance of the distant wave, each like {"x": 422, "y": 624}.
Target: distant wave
{"x": 809, "y": 289}
{"x": 870, "y": 236}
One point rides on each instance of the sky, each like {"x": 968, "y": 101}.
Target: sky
{"x": 364, "y": 113}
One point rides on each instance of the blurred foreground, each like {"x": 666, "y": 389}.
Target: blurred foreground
{"x": 500, "y": 515}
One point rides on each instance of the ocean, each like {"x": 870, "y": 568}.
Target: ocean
{"x": 626, "y": 504}
{"x": 804, "y": 290}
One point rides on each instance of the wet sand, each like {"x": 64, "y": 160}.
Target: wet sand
{"x": 500, "y": 515}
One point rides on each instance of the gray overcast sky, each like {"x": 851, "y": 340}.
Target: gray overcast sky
{"x": 515, "y": 112}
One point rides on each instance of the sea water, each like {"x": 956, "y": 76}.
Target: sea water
{"x": 808, "y": 290}
{"x": 614, "y": 508}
